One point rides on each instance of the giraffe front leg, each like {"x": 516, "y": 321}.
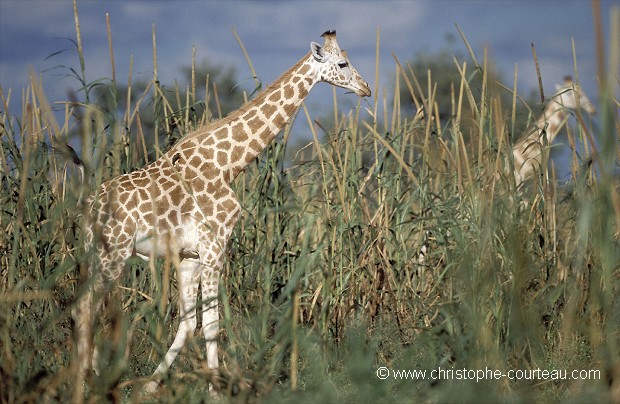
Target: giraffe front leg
{"x": 188, "y": 279}
{"x": 213, "y": 253}
{"x": 210, "y": 315}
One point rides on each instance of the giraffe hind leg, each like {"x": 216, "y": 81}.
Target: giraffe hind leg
{"x": 188, "y": 279}
{"x": 82, "y": 318}
{"x": 102, "y": 274}
{"x": 84, "y": 314}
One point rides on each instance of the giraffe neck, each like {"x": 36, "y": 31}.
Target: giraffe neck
{"x": 548, "y": 125}
{"x": 231, "y": 144}
{"x": 551, "y": 120}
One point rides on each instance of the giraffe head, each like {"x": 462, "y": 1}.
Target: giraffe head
{"x": 571, "y": 96}
{"x": 334, "y": 67}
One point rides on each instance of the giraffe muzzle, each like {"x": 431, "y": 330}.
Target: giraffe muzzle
{"x": 363, "y": 90}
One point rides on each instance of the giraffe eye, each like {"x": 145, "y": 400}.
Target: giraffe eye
{"x": 343, "y": 65}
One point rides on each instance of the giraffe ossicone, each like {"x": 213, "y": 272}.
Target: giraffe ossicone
{"x": 182, "y": 205}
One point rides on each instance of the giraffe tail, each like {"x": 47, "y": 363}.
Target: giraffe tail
{"x": 75, "y": 159}
{"x": 70, "y": 154}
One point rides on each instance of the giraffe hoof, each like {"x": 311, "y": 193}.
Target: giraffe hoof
{"x": 214, "y": 394}
{"x": 150, "y": 387}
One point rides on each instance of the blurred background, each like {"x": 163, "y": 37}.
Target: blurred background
{"x": 41, "y": 34}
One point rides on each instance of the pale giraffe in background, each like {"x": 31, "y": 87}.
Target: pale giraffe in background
{"x": 182, "y": 206}
{"x": 527, "y": 152}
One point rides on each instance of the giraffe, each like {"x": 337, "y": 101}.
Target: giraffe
{"x": 527, "y": 152}
{"x": 182, "y": 205}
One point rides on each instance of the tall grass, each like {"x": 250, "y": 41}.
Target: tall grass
{"x": 324, "y": 282}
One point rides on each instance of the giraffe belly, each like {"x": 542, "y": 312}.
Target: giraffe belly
{"x": 182, "y": 241}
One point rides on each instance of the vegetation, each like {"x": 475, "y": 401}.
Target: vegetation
{"x": 325, "y": 282}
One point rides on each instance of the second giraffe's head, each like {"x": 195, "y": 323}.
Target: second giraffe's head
{"x": 335, "y": 68}
{"x": 571, "y": 96}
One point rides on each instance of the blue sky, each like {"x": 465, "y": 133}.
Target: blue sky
{"x": 277, "y": 33}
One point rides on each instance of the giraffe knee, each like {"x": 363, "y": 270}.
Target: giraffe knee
{"x": 188, "y": 324}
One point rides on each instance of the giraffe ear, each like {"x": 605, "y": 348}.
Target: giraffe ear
{"x": 317, "y": 52}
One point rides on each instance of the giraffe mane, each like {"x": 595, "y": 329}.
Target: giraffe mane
{"x": 259, "y": 99}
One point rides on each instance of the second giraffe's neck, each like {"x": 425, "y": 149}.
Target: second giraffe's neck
{"x": 548, "y": 125}
{"x": 552, "y": 119}
{"x": 239, "y": 138}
